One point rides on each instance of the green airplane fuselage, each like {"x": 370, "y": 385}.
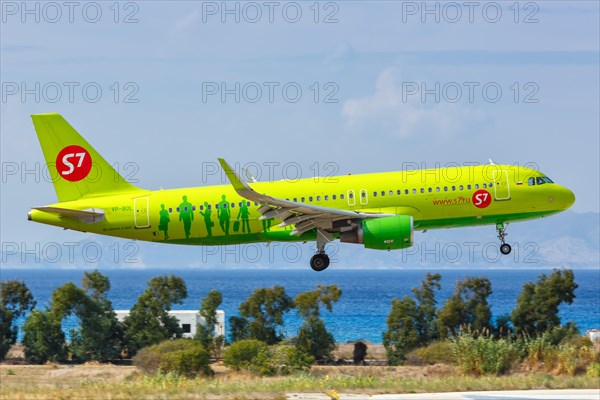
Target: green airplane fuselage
{"x": 435, "y": 198}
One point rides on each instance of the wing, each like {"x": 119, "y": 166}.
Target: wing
{"x": 304, "y": 216}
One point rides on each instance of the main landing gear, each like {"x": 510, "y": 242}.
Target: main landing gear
{"x": 504, "y": 247}
{"x": 320, "y": 261}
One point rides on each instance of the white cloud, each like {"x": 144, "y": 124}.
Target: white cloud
{"x": 393, "y": 110}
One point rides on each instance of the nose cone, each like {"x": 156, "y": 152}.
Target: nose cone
{"x": 566, "y": 198}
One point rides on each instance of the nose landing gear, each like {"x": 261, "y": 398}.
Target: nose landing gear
{"x": 504, "y": 247}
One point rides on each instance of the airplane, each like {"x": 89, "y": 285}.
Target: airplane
{"x": 377, "y": 210}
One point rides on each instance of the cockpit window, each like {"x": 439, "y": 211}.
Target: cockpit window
{"x": 540, "y": 180}
{"x": 531, "y": 181}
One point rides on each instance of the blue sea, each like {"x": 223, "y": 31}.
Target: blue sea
{"x": 362, "y": 310}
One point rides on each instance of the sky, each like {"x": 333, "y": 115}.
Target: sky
{"x": 288, "y": 89}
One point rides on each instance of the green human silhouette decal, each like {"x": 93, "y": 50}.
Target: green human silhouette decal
{"x": 207, "y": 221}
{"x": 244, "y": 213}
{"x": 163, "y": 221}
{"x": 266, "y": 224}
{"x": 186, "y": 215}
{"x": 224, "y": 215}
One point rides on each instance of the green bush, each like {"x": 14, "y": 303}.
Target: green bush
{"x": 281, "y": 360}
{"x": 185, "y": 357}
{"x": 240, "y": 354}
{"x": 256, "y": 357}
{"x": 593, "y": 370}
{"x": 436, "y": 352}
{"x": 483, "y": 355}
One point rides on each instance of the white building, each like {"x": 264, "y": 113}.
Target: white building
{"x": 188, "y": 319}
{"x": 594, "y": 335}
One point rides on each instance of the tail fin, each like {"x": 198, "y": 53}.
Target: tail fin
{"x": 76, "y": 168}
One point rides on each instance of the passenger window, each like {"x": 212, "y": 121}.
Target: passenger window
{"x": 414, "y": 191}
{"x": 468, "y": 187}
{"x": 484, "y": 185}
{"x": 201, "y": 208}
{"x": 326, "y": 197}
{"x": 302, "y": 199}
{"x": 430, "y": 190}
{"x": 310, "y": 198}
{"x": 477, "y": 186}
{"x": 333, "y": 197}
{"x": 351, "y": 195}
{"x": 374, "y": 194}
{"x": 453, "y": 188}
{"x": 405, "y": 191}
{"x": 170, "y": 209}
{"x": 437, "y": 189}
{"x": 445, "y": 188}
{"x": 398, "y": 192}
{"x": 177, "y": 209}
{"x": 318, "y": 198}
{"x": 342, "y": 196}
{"x": 232, "y": 205}
{"x": 383, "y": 193}
{"x": 461, "y": 187}
{"x": 363, "y": 194}
{"x": 216, "y": 206}
{"x": 422, "y": 190}
{"x": 391, "y": 193}
{"x": 209, "y": 206}
{"x": 295, "y": 199}
{"x": 248, "y": 203}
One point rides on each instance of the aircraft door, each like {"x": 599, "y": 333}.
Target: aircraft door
{"x": 501, "y": 186}
{"x": 351, "y": 198}
{"x": 364, "y": 197}
{"x": 141, "y": 216}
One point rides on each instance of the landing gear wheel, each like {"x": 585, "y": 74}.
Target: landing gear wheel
{"x": 505, "y": 248}
{"x": 319, "y": 262}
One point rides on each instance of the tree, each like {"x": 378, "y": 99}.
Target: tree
{"x": 15, "y": 301}
{"x": 149, "y": 321}
{"x": 537, "y": 305}
{"x": 309, "y": 303}
{"x": 425, "y": 318}
{"x": 206, "y": 332}
{"x": 401, "y": 336}
{"x": 467, "y": 307}
{"x": 99, "y": 336}
{"x": 263, "y": 312}
{"x": 43, "y": 338}
{"x": 238, "y": 329}
{"x": 313, "y": 337}
{"x": 412, "y": 323}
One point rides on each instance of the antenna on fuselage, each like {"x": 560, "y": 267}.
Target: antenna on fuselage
{"x": 491, "y": 162}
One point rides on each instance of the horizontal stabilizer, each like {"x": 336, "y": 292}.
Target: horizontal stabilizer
{"x": 89, "y": 216}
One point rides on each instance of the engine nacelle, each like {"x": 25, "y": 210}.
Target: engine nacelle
{"x": 388, "y": 233}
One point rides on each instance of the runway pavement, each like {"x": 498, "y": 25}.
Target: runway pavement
{"x": 567, "y": 394}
